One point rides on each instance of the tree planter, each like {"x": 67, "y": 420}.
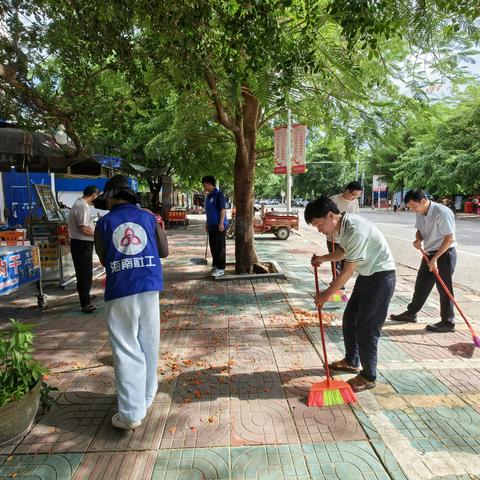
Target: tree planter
{"x": 17, "y": 417}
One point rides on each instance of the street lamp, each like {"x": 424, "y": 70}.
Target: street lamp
{"x": 61, "y": 137}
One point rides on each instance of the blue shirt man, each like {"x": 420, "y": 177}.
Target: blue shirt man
{"x": 216, "y": 224}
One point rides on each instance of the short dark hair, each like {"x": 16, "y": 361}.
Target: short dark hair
{"x": 209, "y": 179}
{"x": 320, "y": 208}
{"x": 90, "y": 190}
{"x": 415, "y": 195}
{"x": 126, "y": 194}
{"x": 354, "y": 186}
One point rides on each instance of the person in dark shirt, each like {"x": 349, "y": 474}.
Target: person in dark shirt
{"x": 216, "y": 225}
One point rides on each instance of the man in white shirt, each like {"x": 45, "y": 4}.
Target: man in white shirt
{"x": 347, "y": 201}
{"x": 81, "y": 229}
{"x": 435, "y": 226}
{"x": 365, "y": 250}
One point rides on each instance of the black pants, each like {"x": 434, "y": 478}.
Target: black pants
{"x": 363, "y": 319}
{"x": 336, "y": 266}
{"x": 82, "y": 253}
{"x": 218, "y": 247}
{"x": 426, "y": 280}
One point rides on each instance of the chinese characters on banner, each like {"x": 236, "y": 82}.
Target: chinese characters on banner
{"x": 378, "y": 184}
{"x": 280, "y": 150}
{"x": 299, "y": 137}
{"x": 18, "y": 266}
{"x": 298, "y": 141}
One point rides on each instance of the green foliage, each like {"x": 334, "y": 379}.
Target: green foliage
{"x": 19, "y": 371}
{"x": 330, "y": 168}
{"x": 439, "y": 153}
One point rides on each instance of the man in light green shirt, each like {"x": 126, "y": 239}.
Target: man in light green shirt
{"x": 365, "y": 250}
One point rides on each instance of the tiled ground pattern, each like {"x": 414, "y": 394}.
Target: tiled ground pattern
{"x": 237, "y": 360}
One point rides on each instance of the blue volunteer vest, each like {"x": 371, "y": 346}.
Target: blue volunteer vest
{"x": 132, "y": 263}
{"x": 215, "y": 201}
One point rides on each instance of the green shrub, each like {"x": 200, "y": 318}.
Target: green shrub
{"x": 19, "y": 371}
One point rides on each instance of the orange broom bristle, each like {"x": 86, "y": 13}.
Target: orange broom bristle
{"x": 330, "y": 392}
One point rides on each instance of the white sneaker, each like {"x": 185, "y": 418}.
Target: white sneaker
{"x": 118, "y": 422}
{"x": 218, "y": 272}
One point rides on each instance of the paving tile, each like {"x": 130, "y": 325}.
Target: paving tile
{"x": 252, "y": 358}
{"x": 297, "y": 382}
{"x": 388, "y": 460}
{"x": 283, "y": 462}
{"x": 61, "y": 359}
{"x": 245, "y": 321}
{"x": 202, "y": 384}
{"x": 146, "y": 437}
{"x": 198, "y": 338}
{"x": 261, "y": 421}
{"x": 295, "y": 357}
{"x": 211, "y": 463}
{"x": 325, "y": 424}
{"x": 423, "y": 346}
{"x": 415, "y": 382}
{"x": 199, "y": 423}
{"x": 343, "y": 461}
{"x": 252, "y": 385}
{"x": 116, "y": 465}
{"x": 41, "y": 467}
{"x": 388, "y": 350}
{"x": 248, "y": 337}
{"x": 67, "y": 428}
{"x": 287, "y": 336}
{"x": 459, "y": 380}
{"x": 279, "y": 320}
{"x": 437, "y": 429}
{"x": 91, "y": 386}
{"x": 74, "y": 324}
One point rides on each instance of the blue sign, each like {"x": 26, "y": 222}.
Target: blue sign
{"x": 18, "y": 266}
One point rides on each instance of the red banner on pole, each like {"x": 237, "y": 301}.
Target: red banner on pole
{"x": 299, "y": 138}
{"x": 280, "y": 150}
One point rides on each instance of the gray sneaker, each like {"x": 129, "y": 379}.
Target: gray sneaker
{"x": 218, "y": 273}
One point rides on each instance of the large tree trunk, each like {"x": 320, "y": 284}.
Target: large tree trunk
{"x": 244, "y": 182}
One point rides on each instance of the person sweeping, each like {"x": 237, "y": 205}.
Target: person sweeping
{"x": 365, "y": 251}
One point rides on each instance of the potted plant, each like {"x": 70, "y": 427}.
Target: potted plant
{"x": 20, "y": 381}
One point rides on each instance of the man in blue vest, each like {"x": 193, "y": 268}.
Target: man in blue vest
{"x": 216, "y": 224}
{"x": 127, "y": 244}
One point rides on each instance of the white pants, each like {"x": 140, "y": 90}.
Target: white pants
{"x": 134, "y": 330}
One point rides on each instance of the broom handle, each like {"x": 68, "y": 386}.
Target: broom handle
{"x": 334, "y": 264}
{"x": 322, "y": 333}
{"x": 447, "y": 291}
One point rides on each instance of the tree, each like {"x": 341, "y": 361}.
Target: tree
{"x": 252, "y": 58}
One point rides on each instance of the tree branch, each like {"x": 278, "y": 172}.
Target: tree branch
{"x": 31, "y": 97}
{"x": 222, "y": 115}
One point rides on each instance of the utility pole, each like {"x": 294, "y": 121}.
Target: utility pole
{"x": 289, "y": 161}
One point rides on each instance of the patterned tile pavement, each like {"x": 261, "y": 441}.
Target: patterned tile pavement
{"x": 236, "y": 363}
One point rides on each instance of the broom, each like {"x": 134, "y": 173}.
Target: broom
{"x": 329, "y": 392}
{"x": 476, "y": 338}
{"x": 338, "y": 296}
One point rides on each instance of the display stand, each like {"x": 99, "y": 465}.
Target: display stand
{"x": 51, "y": 236}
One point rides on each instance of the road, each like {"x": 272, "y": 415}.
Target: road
{"x": 399, "y": 231}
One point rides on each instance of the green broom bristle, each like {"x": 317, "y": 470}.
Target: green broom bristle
{"x": 332, "y": 397}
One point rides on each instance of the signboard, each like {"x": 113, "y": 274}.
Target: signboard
{"x": 18, "y": 266}
{"x": 280, "y": 150}
{"x": 299, "y": 138}
{"x": 49, "y": 204}
{"x": 379, "y": 185}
